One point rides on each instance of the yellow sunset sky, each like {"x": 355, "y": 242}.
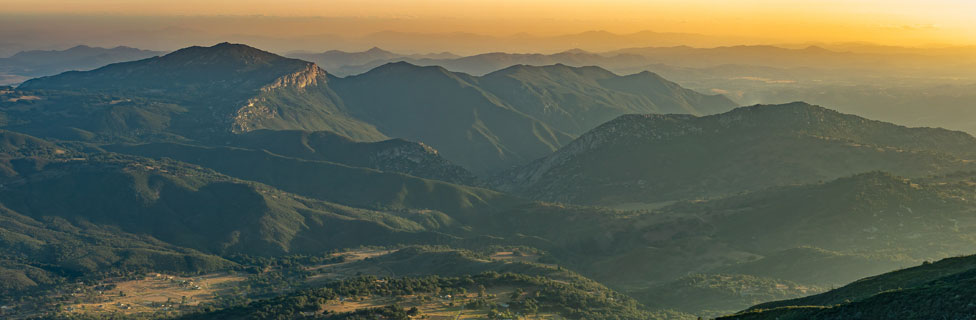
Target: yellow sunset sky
{"x": 894, "y": 22}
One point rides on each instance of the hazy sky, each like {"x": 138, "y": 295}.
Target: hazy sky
{"x": 896, "y": 22}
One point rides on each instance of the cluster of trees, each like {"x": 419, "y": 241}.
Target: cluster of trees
{"x": 258, "y": 263}
{"x": 576, "y": 300}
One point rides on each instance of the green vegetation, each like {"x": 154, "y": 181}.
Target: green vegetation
{"x": 206, "y": 93}
{"x": 573, "y": 300}
{"x": 942, "y": 289}
{"x": 467, "y": 124}
{"x": 575, "y": 100}
{"x": 197, "y": 208}
{"x": 194, "y": 92}
{"x": 511, "y": 116}
{"x": 817, "y": 266}
{"x": 181, "y": 205}
{"x": 654, "y": 158}
{"x": 718, "y": 294}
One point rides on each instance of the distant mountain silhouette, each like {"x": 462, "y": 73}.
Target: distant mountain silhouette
{"x": 334, "y": 60}
{"x": 37, "y": 63}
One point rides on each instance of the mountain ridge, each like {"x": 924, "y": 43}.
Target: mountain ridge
{"x": 225, "y": 88}
{"x": 761, "y": 141}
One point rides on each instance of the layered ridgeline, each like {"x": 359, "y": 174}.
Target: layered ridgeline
{"x": 938, "y": 290}
{"x": 511, "y": 116}
{"x": 194, "y": 92}
{"x": 653, "y": 158}
{"x": 575, "y": 100}
{"x": 467, "y": 124}
{"x": 202, "y": 93}
{"x": 348, "y": 63}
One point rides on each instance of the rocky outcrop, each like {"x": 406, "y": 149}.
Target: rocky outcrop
{"x": 309, "y": 76}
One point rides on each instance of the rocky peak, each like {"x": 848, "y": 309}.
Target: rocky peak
{"x": 308, "y": 76}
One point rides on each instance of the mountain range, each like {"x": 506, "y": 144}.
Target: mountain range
{"x": 814, "y": 59}
{"x": 200, "y": 92}
{"x": 334, "y": 60}
{"x": 878, "y": 82}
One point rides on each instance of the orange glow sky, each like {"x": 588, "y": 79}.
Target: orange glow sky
{"x": 896, "y": 22}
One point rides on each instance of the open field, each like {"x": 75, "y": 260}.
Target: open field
{"x": 165, "y": 294}
{"x": 340, "y": 270}
{"x": 448, "y": 307}
{"x": 152, "y": 293}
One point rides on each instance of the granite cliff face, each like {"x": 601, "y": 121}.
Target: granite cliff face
{"x": 308, "y": 76}
{"x": 263, "y": 107}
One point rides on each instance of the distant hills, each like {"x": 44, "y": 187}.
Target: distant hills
{"x": 351, "y": 63}
{"x": 575, "y": 100}
{"x": 751, "y": 60}
{"x": 336, "y": 60}
{"x": 467, "y": 43}
{"x": 36, "y": 63}
{"x": 653, "y": 158}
